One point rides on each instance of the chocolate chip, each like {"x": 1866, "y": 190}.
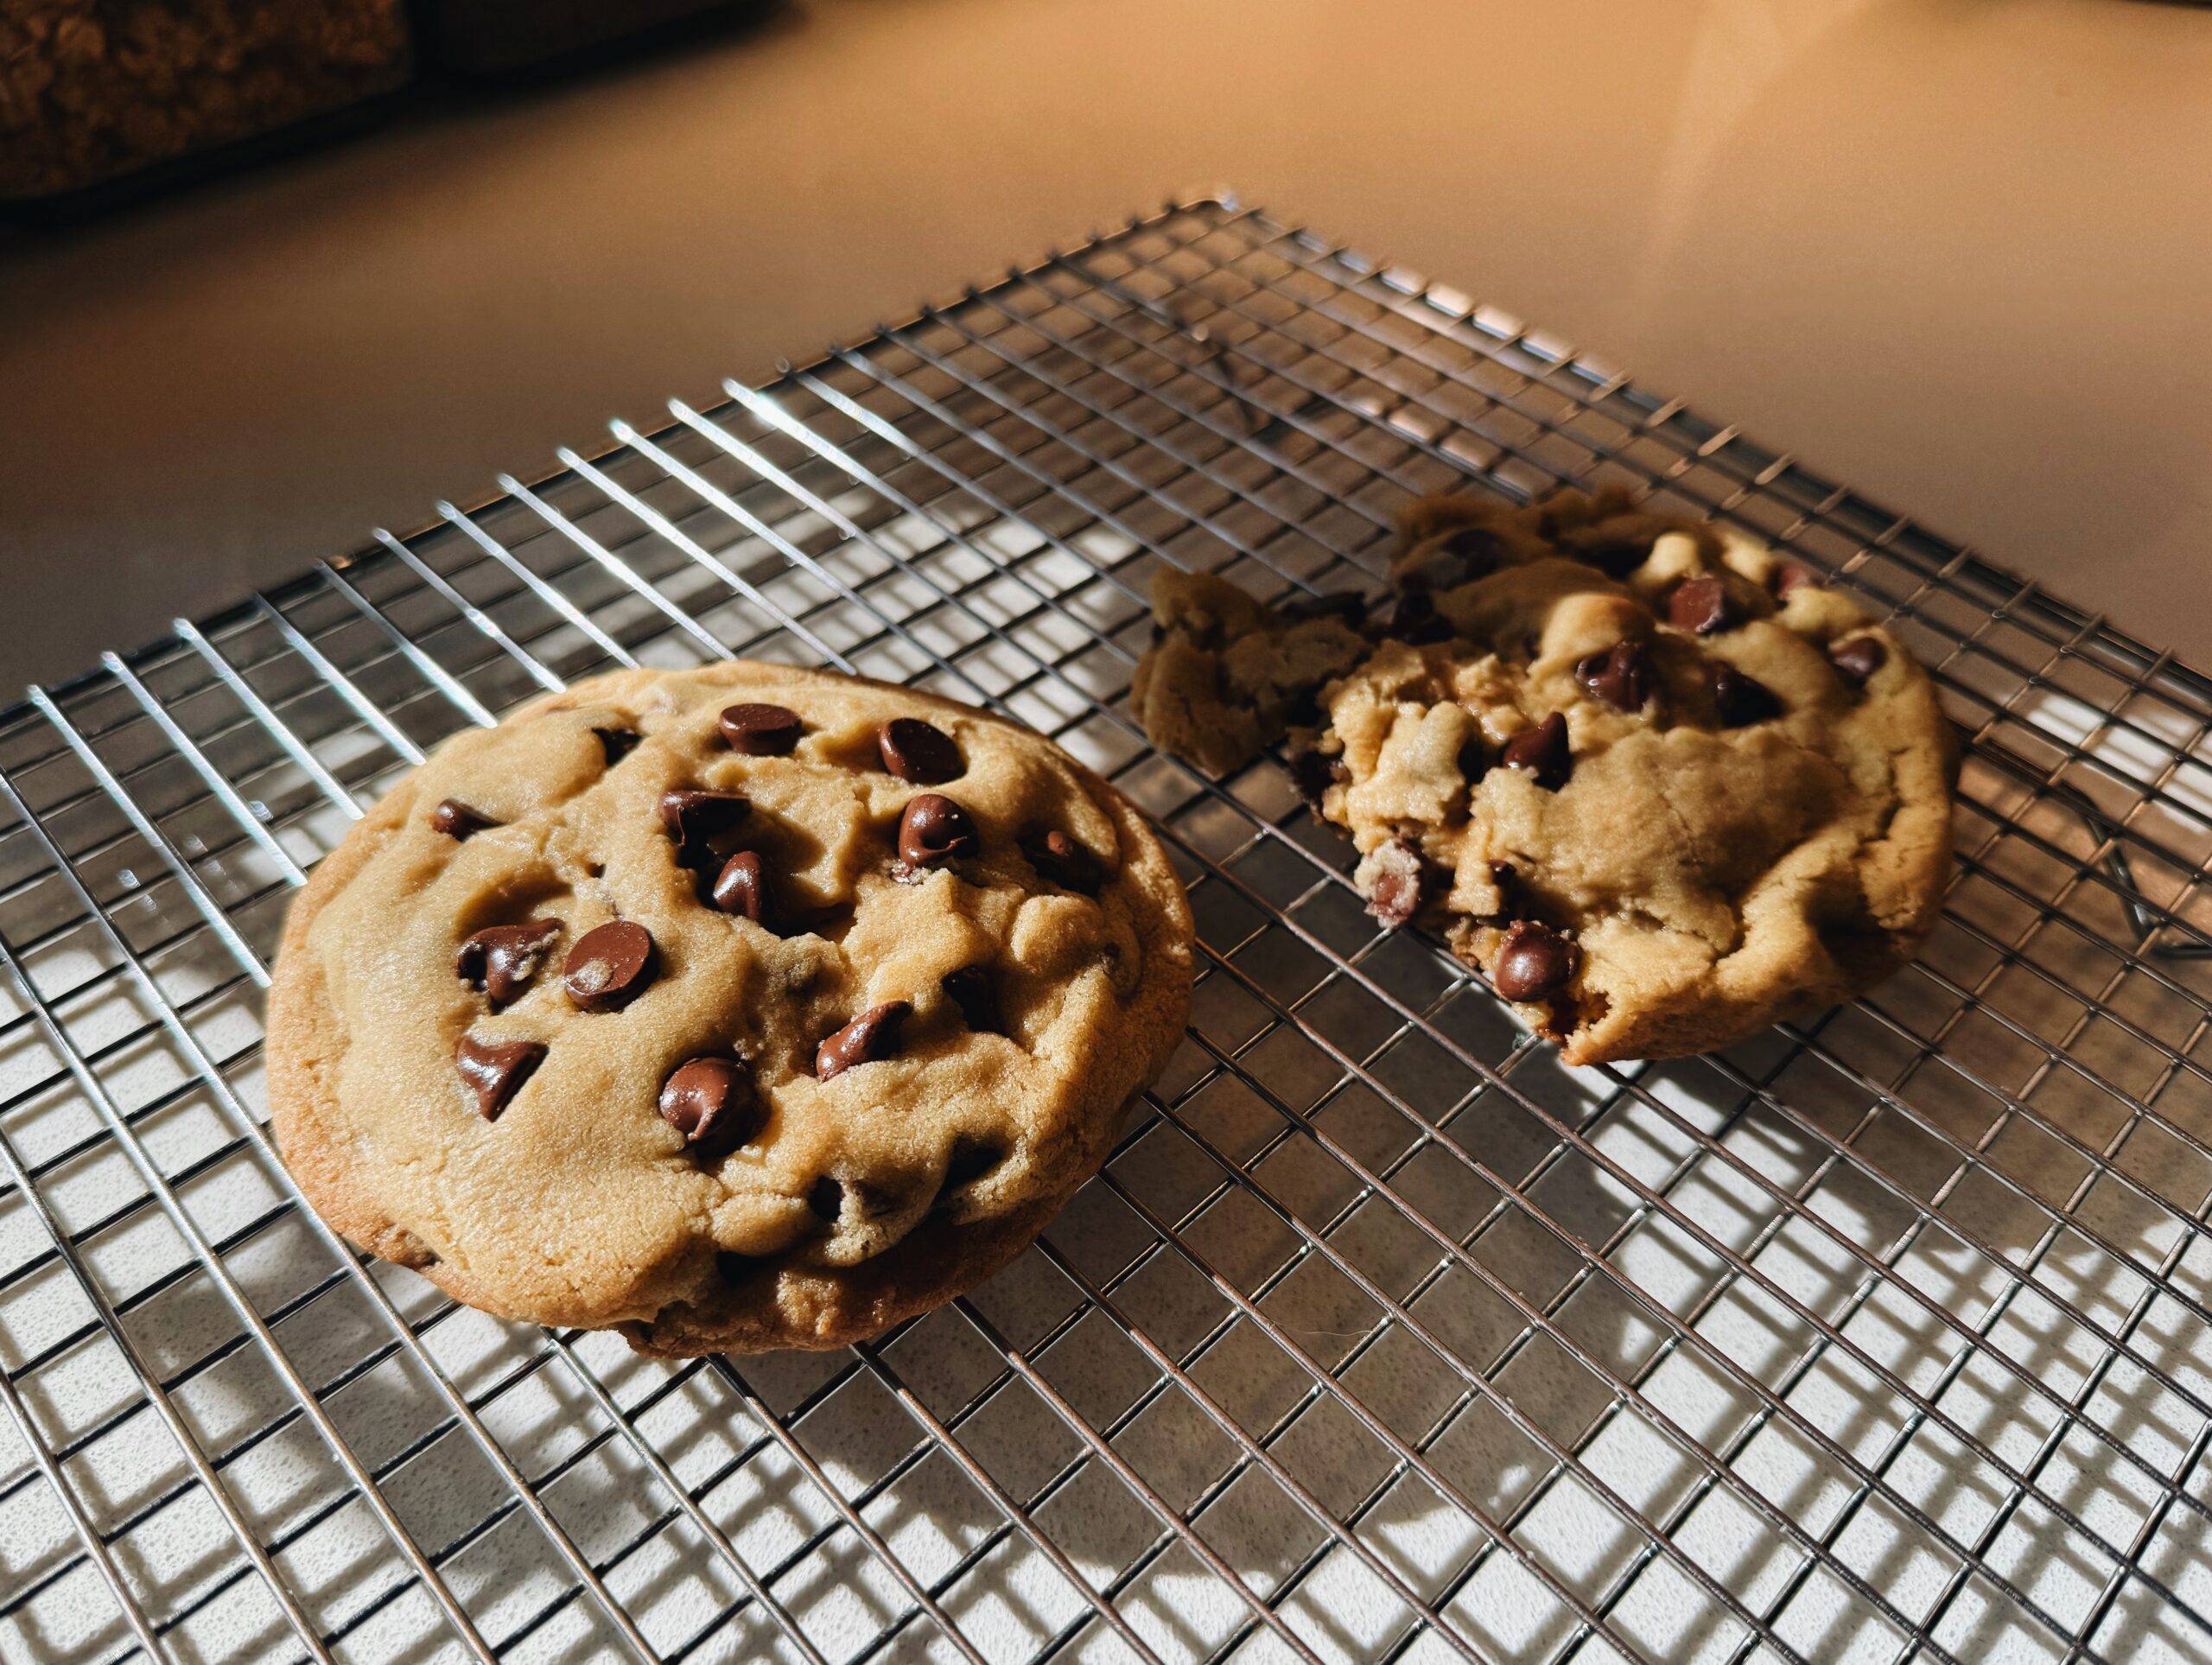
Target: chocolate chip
{"x": 711, "y": 1102}
{"x": 867, "y": 1037}
{"x": 1699, "y": 604}
{"x": 1311, "y": 773}
{"x": 743, "y": 888}
{"x": 1350, "y": 605}
{"x": 495, "y": 1069}
{"x": 1789, "y": 578}
{"x": 826, "y": 1197}
{"x": 932, "y": 831}
{"x": 1397, "y": 880}
{"x": 456, "y": 820}
{"x": 697, "y": 819}
{"x": 1059, "y": 860}
{"x": 1858, "y": 659}
{"x": 1739, "y": 699}
{"x": 914, "y": 751}
{"x": 617, "y": 743}
{"x": 972, "y": 989}
{"x": 1543, "y": 751}
{"x": 501, "y": 959}
{"x": 1534, "y": 960}
{"x": 1416, "y": 622}
{"x": 693, "y": 814}
{"x": 610, "y": 966}
{"x": 760, "y": 731}
{"x": 1621, "y": 676}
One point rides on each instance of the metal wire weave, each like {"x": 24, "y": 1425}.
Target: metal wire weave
{"x": 1382, "y": 1336}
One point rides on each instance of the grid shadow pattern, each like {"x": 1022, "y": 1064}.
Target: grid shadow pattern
{"x": 1382, "y": 1336}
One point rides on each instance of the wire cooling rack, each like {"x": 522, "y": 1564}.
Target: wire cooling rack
{"x": 1381, "y": 1336}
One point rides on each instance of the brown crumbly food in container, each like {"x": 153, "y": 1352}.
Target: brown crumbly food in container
{"x": 93, "y": 90}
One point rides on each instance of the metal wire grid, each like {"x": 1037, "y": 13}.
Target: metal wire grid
{"x": 1382, "y": 1336}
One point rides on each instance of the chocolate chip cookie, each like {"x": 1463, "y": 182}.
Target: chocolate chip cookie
{"x": 740, "y": 1008}
{"x": 1660, "y": 786}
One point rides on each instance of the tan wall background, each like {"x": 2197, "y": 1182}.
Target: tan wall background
{"x": 1953, "y": 252}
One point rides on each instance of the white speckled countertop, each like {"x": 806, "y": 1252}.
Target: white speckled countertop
{"x": 1951, "y": 252}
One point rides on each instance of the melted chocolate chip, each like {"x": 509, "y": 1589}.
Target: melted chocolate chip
{"x": 495, "y": 1069}
{"x": 1699, "y": 605}
{"x": 1543, "y": 751}
{"x": 869, "y": 1037}
{"x": 711, "y": 1102}
{"x": 1059, "y": 860}
{"x": 610, "y": 966}
{"x": 1534, "y": 960}
{"x": 760, "y": 731}
{"x": 1858, "y": 659}
{"x": 617, "y": 743}
{"x": 914, "y": 751}
{"x": 1621, "y": 676}
{"x": 932, "y": 831}
{"x": 1350, "y": 605}
{"x": 456, "y": 820}
{"x": 1737, "y": 699}
{"x": 743, "y": 888}
{"x": 826, "y": 1197}
{"x": 973, "y": 990}
{"x": 693, "y": 814}
{"x": 1312, "y": 774}
{"x": 502, "y": 959}
{"x": 1397, "y": 879}
{"x": 1416, "y": 622}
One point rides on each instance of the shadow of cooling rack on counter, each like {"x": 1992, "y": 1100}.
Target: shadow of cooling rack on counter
{"x": 1382, "y": 1336}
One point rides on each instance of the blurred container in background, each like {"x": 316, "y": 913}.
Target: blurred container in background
{"x": 101, "y": 99}
{"x": 93, "y": 93}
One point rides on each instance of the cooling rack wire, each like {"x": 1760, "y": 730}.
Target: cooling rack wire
{"x": 1381, "y": 1336}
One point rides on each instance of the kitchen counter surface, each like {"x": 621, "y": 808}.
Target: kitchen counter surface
{"x": 1951, "y": 251}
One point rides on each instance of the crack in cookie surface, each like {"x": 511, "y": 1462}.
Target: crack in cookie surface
{"x": 675, "y": 931}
